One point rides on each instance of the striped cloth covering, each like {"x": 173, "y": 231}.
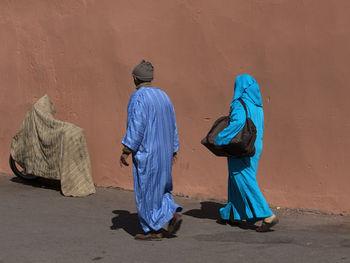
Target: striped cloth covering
{"x": 53, "y": 149}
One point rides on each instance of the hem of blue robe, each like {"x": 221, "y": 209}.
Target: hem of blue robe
{"x": 149, "y": 227}
{"x": 250, "y": 217}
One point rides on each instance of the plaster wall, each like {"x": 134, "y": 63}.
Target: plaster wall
{"x": 81, "y": 54}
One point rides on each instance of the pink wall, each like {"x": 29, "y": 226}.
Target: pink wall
{"x": 81, "y": 53}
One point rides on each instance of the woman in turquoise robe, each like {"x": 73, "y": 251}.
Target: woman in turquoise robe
{"x": 245, "y": 200}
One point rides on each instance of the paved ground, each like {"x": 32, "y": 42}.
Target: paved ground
{"x": 38, "y": 224}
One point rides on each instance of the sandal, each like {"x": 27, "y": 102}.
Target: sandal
{"x": 174, "y": 224}
{"x": 266, "y": 226}
{"x": 151, "y": 236}
{"x": 143, "y": 237}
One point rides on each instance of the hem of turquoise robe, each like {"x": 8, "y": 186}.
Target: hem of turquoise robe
{"x": 249, "y": 216}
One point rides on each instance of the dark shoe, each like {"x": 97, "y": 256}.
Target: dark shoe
{"x": 221, "y": 221}
{"x": 175, "y": 224}
{"x": 232, "y": 222}
{"x": 245, "y": 225}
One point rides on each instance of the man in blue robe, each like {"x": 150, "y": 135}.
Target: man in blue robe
{"x": 151, "y": 137}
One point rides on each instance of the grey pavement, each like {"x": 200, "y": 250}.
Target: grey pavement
{"x": 38, "y": 224}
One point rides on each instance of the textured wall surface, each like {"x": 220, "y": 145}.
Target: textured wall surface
{"x": 81, "y": 54}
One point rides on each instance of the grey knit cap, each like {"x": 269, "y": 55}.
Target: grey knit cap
{"x": 143, "y": 71}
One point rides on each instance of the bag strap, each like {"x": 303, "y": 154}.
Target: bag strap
{"x": 245, "y": 108}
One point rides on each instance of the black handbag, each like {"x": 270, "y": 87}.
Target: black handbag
{"x": 242, "y": 145}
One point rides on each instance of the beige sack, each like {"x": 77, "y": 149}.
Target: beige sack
{"x": 53, "y": 149}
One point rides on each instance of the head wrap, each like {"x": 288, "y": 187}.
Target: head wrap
{"x": 143, "y": 71}
{"x": 247, "y": 87}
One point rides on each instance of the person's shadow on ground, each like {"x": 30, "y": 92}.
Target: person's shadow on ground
{"x": 130, "y": 223}
{"x": 127, "y": 221}
{"x": 209, "y": 210}
{"x": 40, "y": 182}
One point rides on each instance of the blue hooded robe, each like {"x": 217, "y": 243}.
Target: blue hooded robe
{"x": 245, "y": 199}
{"x": 152, "y": 136}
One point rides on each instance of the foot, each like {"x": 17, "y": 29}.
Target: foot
{"x": 233, "y": 222}
{"x": 245, "y": 225}
{"x": 158, "y": 235}
{"x": 268, "y": 223}
{"x": 143, "y": 237}
{"x": 175, "y": 224}
{"x": 150, "y": 236}
{"x": 221, "y": 221}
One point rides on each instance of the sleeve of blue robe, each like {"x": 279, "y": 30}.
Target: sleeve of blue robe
{"x": 237, "y": 121}
{"x": 136, "y": 123}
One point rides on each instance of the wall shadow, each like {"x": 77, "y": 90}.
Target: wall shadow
{"x": 127, "y": 221}
{"x": 209, "y": 210}
{"x": 39, "y": 183}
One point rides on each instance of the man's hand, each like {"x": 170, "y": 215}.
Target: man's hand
{"x": 123, "y": 161}
{"x": 125, "y": 153}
